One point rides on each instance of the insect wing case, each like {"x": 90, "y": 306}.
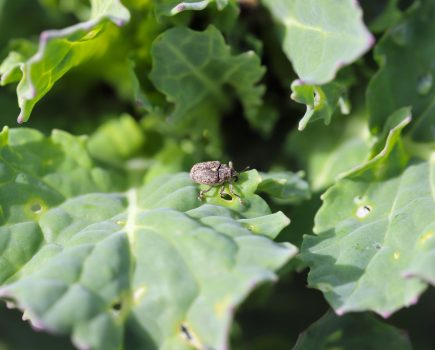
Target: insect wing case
{"x": 206, "y": 173}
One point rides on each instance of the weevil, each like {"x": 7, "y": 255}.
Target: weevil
{"x": 214, "y": 173}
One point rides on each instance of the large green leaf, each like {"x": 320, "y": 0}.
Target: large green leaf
{"x": 194, "y": 70}
{"x": 148, "y": 268}
{"x": 61, "y": 50}
{"x": 406, "y": 72}
{"x": 320, "y": 36}
{"x": 375, "y": 232}
{"x": 352, "y": 332}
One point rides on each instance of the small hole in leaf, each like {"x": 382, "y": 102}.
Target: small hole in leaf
{"x": 117, "y": 306}
{"x": 377, "y": 246}
{"x": 36, "y": 208}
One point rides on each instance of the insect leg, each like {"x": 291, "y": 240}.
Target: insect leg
{"x": 232, "y": 192}
{"x": 222, "y": 192}
{"x": 201, "y": 193}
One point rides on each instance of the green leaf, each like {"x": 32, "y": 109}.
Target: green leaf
{"x": 344, "y": 146}
{"x": 61, "y": 50}
{"x": 375, "y": 226}
{"x": 286, "y": 186}
{"x": 151, "y": 267}
{"x": 389, "y": 157}
{"x": 174, "y": 7}
{"x": 116, "y": 140}
{"x": 320, "y": 36}
{"x": 408, "y": 44}
{"x": 352, "y": 332}
{"x": 194, "y": 70}
{"x": 321, "y": 101}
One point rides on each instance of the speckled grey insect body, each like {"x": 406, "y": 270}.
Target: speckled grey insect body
{"x": 214, "y": 173}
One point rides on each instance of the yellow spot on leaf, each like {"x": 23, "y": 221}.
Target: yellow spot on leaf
{"x": 396, "y": 255}
{"x": 121, "y": 222}
{"x": 426, "y": 236}
{"x": 139, "y": 293}
{"x": 222, "y": 306}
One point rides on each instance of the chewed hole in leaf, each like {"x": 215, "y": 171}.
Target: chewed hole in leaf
{"x": 377, "y": 245}
{"x": 36, "y": 208}
{"x": 226, "y": 197}
{"x": 363, "y": 211}
{"x": 117, "y": 306}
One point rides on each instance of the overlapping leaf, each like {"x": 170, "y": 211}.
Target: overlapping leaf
{"x": 285, "y": 186}
{"x": 406, "y": 73}
{"x": 351, "y": 332}
{"x": 61, "y": 50}
{"x": 143, "y": 269}
{"x": 375, "y": 232}
{"x": 194, "y": 70}
{"x": 344, "y": 146}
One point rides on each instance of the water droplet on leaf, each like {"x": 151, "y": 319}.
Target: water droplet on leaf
{"x": 22, "y": 179}
{"x": 358, "y": 199}
{"x": 401, "y": 35}
{"x": 424, "y": 84}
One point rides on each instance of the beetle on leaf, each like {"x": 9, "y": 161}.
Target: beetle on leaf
{"x": 214, "y": 173}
